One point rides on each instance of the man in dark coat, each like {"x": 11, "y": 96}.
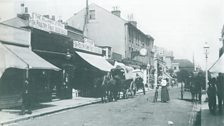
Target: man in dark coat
{"x": 212, "y": 95}
{"x": 220, "y": 87}
{"x": 199, "y": 85}
{"x": 26, "y": 98}
{"x": 139, "y": 83}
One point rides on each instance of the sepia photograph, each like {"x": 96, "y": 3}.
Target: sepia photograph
{"x": 111, "y": 62}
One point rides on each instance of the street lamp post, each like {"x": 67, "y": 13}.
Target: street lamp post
{"x": 206, "y": 48}
{"x": 156, "y": 72}
{"x": 148, "y": 74}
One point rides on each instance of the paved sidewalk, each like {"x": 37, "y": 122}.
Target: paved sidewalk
{"x": 208, "y": 119}
{"x": 8, "y": 116}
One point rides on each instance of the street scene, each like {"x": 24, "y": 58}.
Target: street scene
{"x": 137, "y": 111}
{"x": 111, "y": 63}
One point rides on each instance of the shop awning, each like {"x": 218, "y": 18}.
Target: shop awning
{"x": 33, "y": 60}
{"x": 21, "y": 57}
{"x": 9, "y": 60}
{"x": 218, "y": 66}
{"x": 97, "y": 61}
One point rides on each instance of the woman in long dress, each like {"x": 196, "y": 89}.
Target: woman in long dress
{"x": 164, "y": 91}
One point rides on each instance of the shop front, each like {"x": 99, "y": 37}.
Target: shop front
{"x": 50, "y": 40}
{"x": 56, "y": 49}
{"x": 18, "y": 63}
{"x": 91, "y": 66}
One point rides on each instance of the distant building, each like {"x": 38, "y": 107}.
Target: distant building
{"x": 184, "y": 64}
{"x": 109, "y": 29}
{"x": 165, "y": 57}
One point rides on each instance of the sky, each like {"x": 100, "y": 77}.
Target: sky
{"x": 182, "y": 26}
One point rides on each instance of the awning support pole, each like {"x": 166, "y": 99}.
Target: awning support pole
{"x": 27, "y": 73}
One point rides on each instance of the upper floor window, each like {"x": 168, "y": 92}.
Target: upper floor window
{"x": 92, "y": 14}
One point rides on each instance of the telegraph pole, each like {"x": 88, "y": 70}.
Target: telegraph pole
{"x": 86, "y": 20}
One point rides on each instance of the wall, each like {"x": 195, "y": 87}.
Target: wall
{"x": 136, "y": 40}
{"x": 107, "y": 30}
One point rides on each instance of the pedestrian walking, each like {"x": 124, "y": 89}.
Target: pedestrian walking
{"x": 133, "y": 87}
{"x": 26, "y": 99}
{"x": 164, "y": 91}
{"x": 182, "y": 90}
{"x": 139, "y": 83}
{"x": 220, "y": 89}
{"x": 212, "y": 95}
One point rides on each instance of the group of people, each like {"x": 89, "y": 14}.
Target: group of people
{"x": 216, "y": 89}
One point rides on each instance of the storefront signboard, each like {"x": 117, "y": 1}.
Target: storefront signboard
{"x": 14, "y": 35}
{"x": 86, "y": 47}
{"x": 42, "y": 23}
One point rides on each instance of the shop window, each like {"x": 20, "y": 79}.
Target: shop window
{"x": 92, "y": 14}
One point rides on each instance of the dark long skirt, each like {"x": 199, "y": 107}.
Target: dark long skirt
{"x": 164, "y": 94}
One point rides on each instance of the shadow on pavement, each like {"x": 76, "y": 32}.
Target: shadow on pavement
{"x": 17, "y": 110}
{"x": 188, "y": 100}
{"x": 211, "y": 119}
{"x": 198, "y": 119}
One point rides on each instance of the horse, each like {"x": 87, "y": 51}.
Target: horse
{"x": 195, "y": 89}
{"x": 105, "y": 88}
{"x": 109, "y": 88}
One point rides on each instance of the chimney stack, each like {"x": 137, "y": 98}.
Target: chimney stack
{"x": 23, "y": 12}
{"x": 116, "y": 12}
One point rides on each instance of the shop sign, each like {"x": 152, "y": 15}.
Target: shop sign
{"x": 42, "y": 23}
{"x": 14, "y": 35}
{"x": 87, "y": 47}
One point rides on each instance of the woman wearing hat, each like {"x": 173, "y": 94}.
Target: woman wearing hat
{"x": 164, "y": 91}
